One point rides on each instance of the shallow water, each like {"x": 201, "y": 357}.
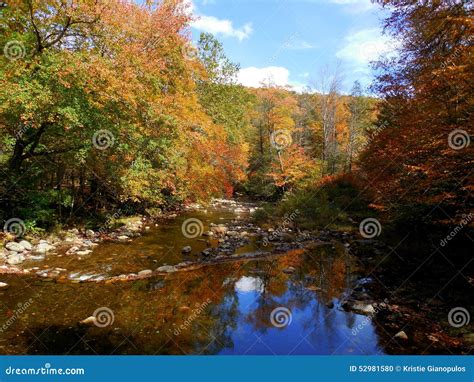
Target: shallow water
{"x": 245, "y": 307}
{"x": 160, "y": 245}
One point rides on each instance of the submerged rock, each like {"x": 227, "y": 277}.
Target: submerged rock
{"x": 186, "y": 249}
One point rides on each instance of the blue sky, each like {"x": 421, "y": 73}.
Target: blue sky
{"x": 291, "y": 42}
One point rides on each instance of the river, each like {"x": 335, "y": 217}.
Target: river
{"x": 285, "y": 304}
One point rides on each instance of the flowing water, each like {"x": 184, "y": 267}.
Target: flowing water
{"x": 286, "y": 304}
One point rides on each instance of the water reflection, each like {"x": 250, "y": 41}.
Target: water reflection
{"x": 223, "y": 309}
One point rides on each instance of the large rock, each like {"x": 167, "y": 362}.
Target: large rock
{"x": 15, "y": 247}
{"x": 43, "y": 247}
{"x": 167, "y": 269}
{"x": 26, "y": 245}
{"x": 15, "y": 259}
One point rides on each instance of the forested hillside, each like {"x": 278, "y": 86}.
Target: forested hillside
{"x": 107, "y": 105}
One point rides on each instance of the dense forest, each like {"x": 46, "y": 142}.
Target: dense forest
{"x": 108, "y": 106}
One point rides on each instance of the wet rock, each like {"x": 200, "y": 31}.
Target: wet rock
{"x": 167, "y": 269}
{"x": 145, "y": 272}
{"x": 26, "y": 245}
{"x": 15, "y": 247}
{"x": 3, "y": 285}
{"x": 123, "y": 237}
{"x": 401, "y": 335}
{"x": 90, "y": 233}
{"x": 186, "y": 249}
{"x": 3, "y": 254}
{"x": 15, "y": 258}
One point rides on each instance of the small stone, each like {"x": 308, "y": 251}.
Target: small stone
{"x": 72, "y": 250}
{"x": 89, "y": 321}
{"x": 401, "y": 335}
{"x": 84, "y": 252}
{"x": 289, "y": 270}
{"x": 145, "y": 272}
{"x": 123, "y": 237}
{"x": 16, "y": 247}
{"x": 186, "y": 249}
{"x": 90, "y": 233}
{"x": 167, "y": 269}
{"x": 3, "y": 285}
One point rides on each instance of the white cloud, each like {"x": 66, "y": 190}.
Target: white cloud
{"x": 269, "y": 76}
{"x": 256, "y": 77}
{"x": 223, "y": 27}
{"x": 356, "y": 6}
{"x": 365, "y": 46}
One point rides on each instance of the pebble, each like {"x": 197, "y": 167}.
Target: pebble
{"x": 401, "y": 335}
